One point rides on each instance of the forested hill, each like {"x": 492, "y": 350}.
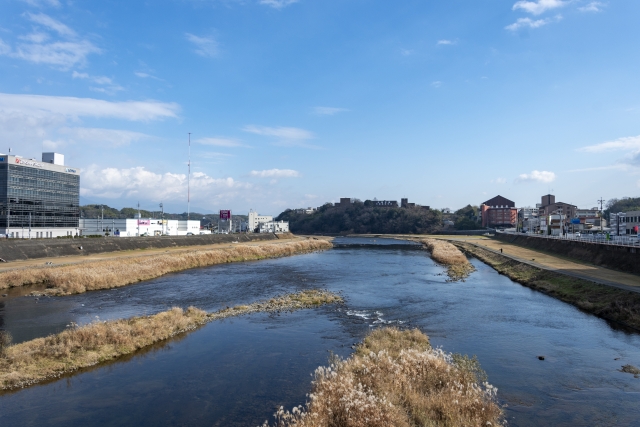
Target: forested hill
{"x": 358, "y": 218}
{"x": 625, "y": 204}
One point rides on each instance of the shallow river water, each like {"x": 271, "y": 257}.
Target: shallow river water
{"x": 236, "y": 371}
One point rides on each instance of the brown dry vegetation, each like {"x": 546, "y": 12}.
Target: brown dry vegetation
{"x": 443, "y": 252}
{"x": 607, "y": 302}
{"x": 395, "y": 379}
{"x": 94, "y": 275}
{"x": 40, "y": 359}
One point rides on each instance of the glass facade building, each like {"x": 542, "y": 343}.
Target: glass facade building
{"x": 37, "y": 194}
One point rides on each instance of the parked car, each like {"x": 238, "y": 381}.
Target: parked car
{"x": 189, "y": 234}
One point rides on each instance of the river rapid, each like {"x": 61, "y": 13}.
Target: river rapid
{"x": 235, "y": 372}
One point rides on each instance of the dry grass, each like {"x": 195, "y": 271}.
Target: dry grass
{"x": 94, "y": 275}
{"x": 41, "y": 359}
{"x": 458, "y": 266}
{"x": 395, "y": 379}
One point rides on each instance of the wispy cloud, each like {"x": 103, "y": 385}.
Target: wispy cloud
{"x": 594, "y": 6}
{"x": 52, "y": 24}
{"x": 276, "y": 173}
{"x": 219, "y": 142}
{"x": 278, "y": 4}
{"x": 147, "y": 76}
{"x": 530, "y": 23}
{"x": 407, "y": 52}
{"x": 287, "y": 136}
{"x": 42, "y": 3}
{"x": 107, "y": 84}
{"x": 446, "y": 42}
{"x": 205, "y": 46}
{"x": 328, "y": 111}
{"x": 436, "y": 84}
{"x": 540, "y": 6}
{"x": 499, "y": 181}
{"x": 67, "y": 51}
{"x": 537, "y": 176}
{"x": 628, "y": 143}
{"x": 108, "y": 137}
{"x": 70, "y": 107}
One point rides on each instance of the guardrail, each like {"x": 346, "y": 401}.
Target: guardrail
{"x": 623, "y": 241}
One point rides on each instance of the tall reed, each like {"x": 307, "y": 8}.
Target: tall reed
{"x": 395, "y": 379}
{"x": 106, "y": 274}
{"x": 40, "y": 359}
{"x": 443, "y": 252}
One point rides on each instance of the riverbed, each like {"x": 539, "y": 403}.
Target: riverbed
{"x": 236, "y": 371}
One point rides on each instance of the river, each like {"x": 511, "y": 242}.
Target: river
{"x": 236, "y": 371}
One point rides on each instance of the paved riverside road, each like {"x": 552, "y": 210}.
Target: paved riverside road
{"x": 569, "y": 267}
{"x": 555, "y": 263}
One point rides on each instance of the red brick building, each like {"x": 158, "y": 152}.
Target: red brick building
{"x": 499, "y": 212}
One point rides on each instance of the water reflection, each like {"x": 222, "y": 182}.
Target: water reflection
{"x": 236, "y": 371}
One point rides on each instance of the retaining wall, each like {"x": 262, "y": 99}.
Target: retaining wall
{"x": 619, "y": 258}
{"x": 18, "y": 249}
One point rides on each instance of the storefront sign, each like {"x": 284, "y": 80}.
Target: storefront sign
{"x": 28, "y": 163}
{"x": 225, "y": 215}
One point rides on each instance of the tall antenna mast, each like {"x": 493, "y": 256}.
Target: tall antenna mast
{"x": 189, "y": 181}
{"x": 601, "y": 201}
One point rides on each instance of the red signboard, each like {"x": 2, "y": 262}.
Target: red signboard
{"x": 225, "y": 215}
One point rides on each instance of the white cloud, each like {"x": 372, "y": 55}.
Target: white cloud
{"x": 108, "y": 86}
{"x": 499, "y": 181}
{"x": 288, "y": 136}
{"x": 109, "y": 137}
{"x": 147, "y": 76}
{"x": 626, "y": 143}
{"x": 537, "y": 176}
{"x": 140, "y": 182}
{"x": 67, "y": 52}
{"x": 594, "y": 6}
{"x": 328, "y": 111}
{"x": 219, "y": 142}
{"x": 530, "y": 23}
{"x": 436, "y": 84}
{"x": 278, "y": 4}
{"x": 41, "y": 3}
{"x": 205, "y": 46}
{"x": 276, "y": 173}
{"x": 446, "y": 42}
{"x": 70, "y": 107}
{"x": 540, "y": 6}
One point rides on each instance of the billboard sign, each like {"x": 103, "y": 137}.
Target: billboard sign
{"x": 144, "y": 222}
{"x": 575, "y": 220}
{"x": 225, "y": 215}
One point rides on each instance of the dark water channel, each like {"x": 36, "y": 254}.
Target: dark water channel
{"x": 234, "y": 372}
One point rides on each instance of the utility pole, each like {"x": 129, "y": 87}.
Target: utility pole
{"x": 102, "y": 217}
{"x": 189, "y": 182}
{"x": 29, "y": 225}
{"x": 601, "y": 201}
{"x": 138, "y": 219}
{"x": 162, "y": 208}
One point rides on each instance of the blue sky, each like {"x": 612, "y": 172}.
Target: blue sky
{"x": 296, "y": 103}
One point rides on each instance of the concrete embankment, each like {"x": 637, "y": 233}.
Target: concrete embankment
{"x": 610, "y": 303}
{"x": 24, "y": 249}
{"x": 619, "y": 258}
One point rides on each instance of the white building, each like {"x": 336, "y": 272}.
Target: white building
{"x": 256, "y": 219}
{"x": 274, "y": 227}
{"x": 131, "y": 227}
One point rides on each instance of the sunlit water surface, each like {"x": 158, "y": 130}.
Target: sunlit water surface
{"x": 236, "y": 371}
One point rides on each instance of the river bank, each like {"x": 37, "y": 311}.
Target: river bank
{"x": 135, "y": 267}
{"x": 443, "y": 252}
{"x": 613, "y": 304}
{"x": 41, "y": 359}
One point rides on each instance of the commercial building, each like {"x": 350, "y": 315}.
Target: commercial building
{"x": 132, "y": 227}
{"x": 255, "y": 219}
{"x": 499, "y": 212}
{"x": 274, "y": 227}
{"x": 38, "y": 199}
{"x": 617, "y": 223}
{"x": 549, "y": 206}
{"x": 631, "y": 222}
{"x": 404, "y": 203}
